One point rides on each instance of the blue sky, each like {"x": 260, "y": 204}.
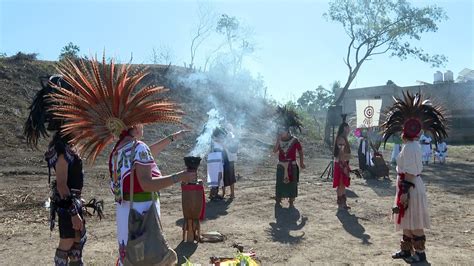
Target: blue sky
{"x": 297, "y": 48}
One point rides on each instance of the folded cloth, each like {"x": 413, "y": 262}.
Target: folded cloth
{"x": 212, "y": 237}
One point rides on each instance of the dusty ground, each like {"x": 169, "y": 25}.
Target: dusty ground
{"x": 313, "y": 233}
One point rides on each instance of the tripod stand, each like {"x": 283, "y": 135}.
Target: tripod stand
{"x": 330, "y": 167}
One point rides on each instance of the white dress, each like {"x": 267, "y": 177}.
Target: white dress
{"x": 416, "y": 216}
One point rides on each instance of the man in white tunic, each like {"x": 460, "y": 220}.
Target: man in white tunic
{"x": 425, "y": 142}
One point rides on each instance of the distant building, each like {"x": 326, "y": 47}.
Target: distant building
{"x": 457, "y": 98}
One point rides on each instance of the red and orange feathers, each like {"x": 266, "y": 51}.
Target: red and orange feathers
{"x": 107, "y": 101}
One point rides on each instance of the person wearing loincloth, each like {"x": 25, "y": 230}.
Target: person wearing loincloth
{"x": 62, "y": 157}
{"x": 287, "y": 146}
{"x": 410, "y": 115}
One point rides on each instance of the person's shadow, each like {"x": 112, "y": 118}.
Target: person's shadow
{"x": 424, "y": 263}
{"x": 351, "y": 224}
{"x": 185, "y": 249}
{"x": 215, "y": 209}
{"x": 351, "y": 194}
{"x": 287, "y": 220}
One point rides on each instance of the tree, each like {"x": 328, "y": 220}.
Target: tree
{"x": 228, "y": 26}
{"x": 203, "y": 30}
{"x": 315, "y": 103}
{"x": 238, "y": 40}
{"x": 69, "y": 51}
{"x": 162, "y": 55}
{"x": 378, "y": 27}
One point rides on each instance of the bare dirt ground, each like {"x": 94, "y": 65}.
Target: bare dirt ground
{"x": 313, "y": 233}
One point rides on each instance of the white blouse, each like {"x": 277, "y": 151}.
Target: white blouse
{"x": 409, "y": 160}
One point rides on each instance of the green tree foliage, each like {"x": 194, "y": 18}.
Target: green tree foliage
{"x": 314, "y": 105}
{"x": 23, "y": 57}
{"x": 316, "y": 101}
{"x": 228, "y": 26}
{"x": 70, "y": 51}
{"x": 383, "y": 26}
{"x": 237, "y": 39}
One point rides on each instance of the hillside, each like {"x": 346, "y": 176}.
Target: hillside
{"x": 19, "y": 80}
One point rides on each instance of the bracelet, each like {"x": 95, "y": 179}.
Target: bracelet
{"x": 175, "y": 178}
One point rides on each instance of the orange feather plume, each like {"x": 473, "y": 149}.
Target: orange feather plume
{"x": 107, "y": 101}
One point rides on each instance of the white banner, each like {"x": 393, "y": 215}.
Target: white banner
{"x": 368, "y": 112}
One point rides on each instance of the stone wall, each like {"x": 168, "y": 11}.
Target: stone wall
{"x": 457, "y": 98}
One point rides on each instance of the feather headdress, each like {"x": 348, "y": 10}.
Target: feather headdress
{"x": 412, "y": 114}
{"x": 108, "y": 102}
{"x": 40, "y": 119}
{"x": 288, "y": 118}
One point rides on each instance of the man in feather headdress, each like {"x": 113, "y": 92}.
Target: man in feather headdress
{"x": 110, "y": 105}
{"x": 410, "y": 115}
{"x": 287, "y": 145}
{"x": 63, "y": 158}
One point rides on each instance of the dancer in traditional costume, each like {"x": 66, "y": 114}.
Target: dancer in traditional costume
{"x": 342, "y": 155}
{"x": 287, "y": 146}
{"x": 63, "y": 158}
{"x": 425, "y": 142}
{"x": 105, "y": 108}
{"x": 441, "y": 151}
{"x": 410, "y": 115}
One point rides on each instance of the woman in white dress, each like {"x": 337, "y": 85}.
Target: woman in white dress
{"x": 411, "y": 114}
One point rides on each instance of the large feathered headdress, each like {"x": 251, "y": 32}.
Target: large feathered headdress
{"x": 288, "y": 118}
{"x": 41, "y": 119}
{"x": 412, "y": 114}
{"x": 108, "y": 102}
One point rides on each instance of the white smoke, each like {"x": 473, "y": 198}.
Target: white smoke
{"x": 237, "y": 103}
{"x": 194, "y": 80}
{"x": 203, "y": 142}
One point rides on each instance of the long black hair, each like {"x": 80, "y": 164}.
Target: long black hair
{"x": 40, "y": 119}
{"x": 340, "y": 132}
